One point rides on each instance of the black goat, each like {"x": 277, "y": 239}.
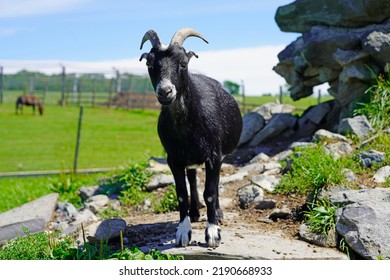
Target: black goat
{"x": 199, "y": 123}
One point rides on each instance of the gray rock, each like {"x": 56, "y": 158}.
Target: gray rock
{"x": 68, "y": 208}
{"x": 345, "y": 57}
{"x": 318, "y": 239}
{"x": 338, "y": 149}
{"x": 88, "y": 191}
{"x": 260, "y": 158}
{"x": 160, "y": 181}
{"x": 344, "y": 43}
{"x": 301, "y": 15}
{"x": 85, "y": 217}
{"x": 276, "y": 125}
{"x": 349, "y": 175}
{"x": 343, "y": 196}
{"x": 96, "y": 202}
{"x": 253, "y": 167}
{"x": 268, "y": 110}
{"x": 266, "y": 182}
{"x": 358, "y": 125}
{"x": 296, "y": 145}
{"x": 323, "y": 134}
{"x": 249, "y": 195}
{"x": 266, "y": 204}
{"x": 105, "y": 230}
{"x": 233, "y": 178}
{"x": 280, "y": 213}
{"x": 316, "y": 114}
{"x": 365, "y": 228}
{"x": 370, "y": 157}
{"x": 378, "y": 45}
{"x": 252, "y": 123}
{"x": 382, "y": 174}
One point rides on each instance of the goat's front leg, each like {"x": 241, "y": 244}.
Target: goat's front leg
{"x": 213, "y": 231}
{"x": 183, "y": 233}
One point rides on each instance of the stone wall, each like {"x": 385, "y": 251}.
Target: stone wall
{"x": 344, "y": 43}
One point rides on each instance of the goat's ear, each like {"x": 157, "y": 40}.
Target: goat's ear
{"x": 191, "y": 54}
{"x": 144, "y": 55}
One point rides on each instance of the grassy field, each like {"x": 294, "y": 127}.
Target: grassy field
{"x": 108, "y": 138}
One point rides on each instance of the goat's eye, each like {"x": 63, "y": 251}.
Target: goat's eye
{"x": 149, "y": 64}
{"x": 183, "y": 64}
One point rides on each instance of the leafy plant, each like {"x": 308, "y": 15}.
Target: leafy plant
{"x": 375, "y": 105}
{"x": 49, "y": 246}
{"x": 41, "y": 246}
{"x": 67, "y": 186}
{"x": 321, "y": 217}
{"x": 312, "y": 171}
{"x": 168, "y": 202}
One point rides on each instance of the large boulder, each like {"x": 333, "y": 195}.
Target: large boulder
{"x": 344, "y": 43}
{"x": 301, "y": 15}
{"x": 364, "y": 227}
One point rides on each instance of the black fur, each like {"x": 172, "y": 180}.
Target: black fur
{"x": 200, "y": 124}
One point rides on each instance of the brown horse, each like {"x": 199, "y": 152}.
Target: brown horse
{"x": 29, "y": 100}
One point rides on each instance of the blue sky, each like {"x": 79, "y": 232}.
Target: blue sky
{"x": 96, "y": 35}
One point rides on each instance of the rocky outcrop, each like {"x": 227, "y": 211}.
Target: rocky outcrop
{"x": 343, "y": 43}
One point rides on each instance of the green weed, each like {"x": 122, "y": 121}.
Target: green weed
{"x": 49, "y": 246}
{"x": 375, "y": 104}
{"x": 312, "y": 171}
{"x": 321, "y": 216}
{"x": 168, "y": 202}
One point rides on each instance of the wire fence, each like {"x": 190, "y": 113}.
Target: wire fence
{"x": 124, "y": 90}
{"x": 107, "y": 140}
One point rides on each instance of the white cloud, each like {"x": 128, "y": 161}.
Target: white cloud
{"x": 253, "y": 66}
{"x": 5, "y": 32}
{"x": 18, "y": 8}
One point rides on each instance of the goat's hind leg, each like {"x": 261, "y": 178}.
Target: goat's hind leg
{"x": 194, "y": 205}
{"x": 213, "y": 231}
{"x": 184, "y": 231}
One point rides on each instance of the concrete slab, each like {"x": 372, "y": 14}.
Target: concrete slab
{"x": 41, "y": 208}
{"x": 15, "y": 230}
{"x": 250, "y": 245}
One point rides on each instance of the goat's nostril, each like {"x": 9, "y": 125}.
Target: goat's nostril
{"x": 165, "y": 91}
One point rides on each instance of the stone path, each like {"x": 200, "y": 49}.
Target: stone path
{"x": 239, "y": 242}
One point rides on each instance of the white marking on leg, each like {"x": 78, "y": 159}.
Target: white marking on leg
{"x": 210, "y": 199}
{"x": 213, "y": 235}
{"x": 183, "y": 233}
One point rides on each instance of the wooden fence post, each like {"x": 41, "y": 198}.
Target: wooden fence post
{"x": 76, "y": 156}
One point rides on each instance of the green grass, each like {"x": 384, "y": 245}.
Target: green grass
{"x": 312, "y": 171}
{"x": 49, "y": 246}
{"x": 15, "y": 191}
{"x": 300, "y": 105}
{"x": 109, "y": 138}
{"x": 375, "y": 104}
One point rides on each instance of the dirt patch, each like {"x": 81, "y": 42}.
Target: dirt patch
{"x": 148, "y": 228}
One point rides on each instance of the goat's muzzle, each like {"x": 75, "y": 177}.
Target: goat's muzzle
{"x": 166, "y": 92}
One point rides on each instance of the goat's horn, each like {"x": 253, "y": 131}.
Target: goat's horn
{"x": 151, "y": 36}
{"x": 183, "y": 33}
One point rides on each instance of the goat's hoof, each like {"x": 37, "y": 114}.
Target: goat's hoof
{"x": 213, "y": 235}
{"x": 183, "y": 233}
